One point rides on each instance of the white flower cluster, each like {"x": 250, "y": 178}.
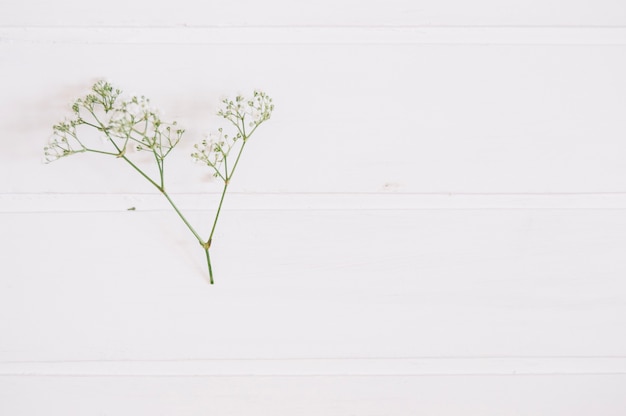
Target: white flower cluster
{"x": 136, "y": 121}
{"x": 121, "y": 122}
{"x": 246, "y": 116}
{"x": 214, "y": 151}
{"x": 63, "y": 142}
{"x": 247, "y": 113}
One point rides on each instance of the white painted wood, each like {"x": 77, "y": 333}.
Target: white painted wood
{"x": 433, "y": 222}
{"x": 321, "y": 12}
{"x": 195, "y": 396}
{"x": 314, "y": 284}
{"x": 349, "y": 118}
{"x": 321, "y": 367}
{"x": 548, "y": 36}
{"x": 103, "y": 203}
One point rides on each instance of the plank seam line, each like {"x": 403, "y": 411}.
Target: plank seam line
{"x": 180, "y": 26}
{"x": 407, "y": 358}
{"x": 278, "y": 375}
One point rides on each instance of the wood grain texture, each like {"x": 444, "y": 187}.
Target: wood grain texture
{"x": 322, "y": 12}
{"x": 302, "y": 284}
{"x": 325, "y": 367}
{"x": 368, "y": 396}
{"x": 433, "y": 222}
{"x": 349, "y": 118}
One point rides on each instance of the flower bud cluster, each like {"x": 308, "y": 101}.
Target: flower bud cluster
{"x": 136, "y": 121}
{"x": 248, "y": 112}
{"x": 121, "y": 123}
{"x": 246, "y": 115}
{"x": 63, "y": 141}
{"x": 214, "y": 151}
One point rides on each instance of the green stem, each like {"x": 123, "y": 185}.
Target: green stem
{"x": 159, "y": 163}
{"x": 208, "y": 262}
{"x": 165, "y": 194}
{"x": 100, "y": 151}
{"x": 161, "y": 188}
{"x": 161, "y": 174}
{"x": 100, "y": 128}
{"x": 219, "y": 209}
{"x": 232, "y": 171}
{"x": 226, "y": 183}
{"x": 182, "y": 217}
{"x": 180, "y": 214}
{"x": 141, "y": 172}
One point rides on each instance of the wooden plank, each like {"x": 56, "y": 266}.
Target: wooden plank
{"x": 321, "y": 367}
{"x": 432, "y": 223}
{"x": 349, "y": 118}
{"x": 191, "y": 396}
{"x": 102, "y": 203}
{"x": 322, "y": 12}
{"x": 132, "y": 285}
{"x": 549, "y": 36}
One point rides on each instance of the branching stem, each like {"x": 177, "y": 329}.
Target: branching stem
{"x": 226, "y": 183}
{"x": 135, "y": 121}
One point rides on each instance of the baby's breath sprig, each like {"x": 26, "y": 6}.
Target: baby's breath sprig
{"x": 134, "y": 122}
{"x": 222, "y": 151}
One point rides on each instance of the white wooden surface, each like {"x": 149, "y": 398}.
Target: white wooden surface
{"x": 433, "y": 222}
